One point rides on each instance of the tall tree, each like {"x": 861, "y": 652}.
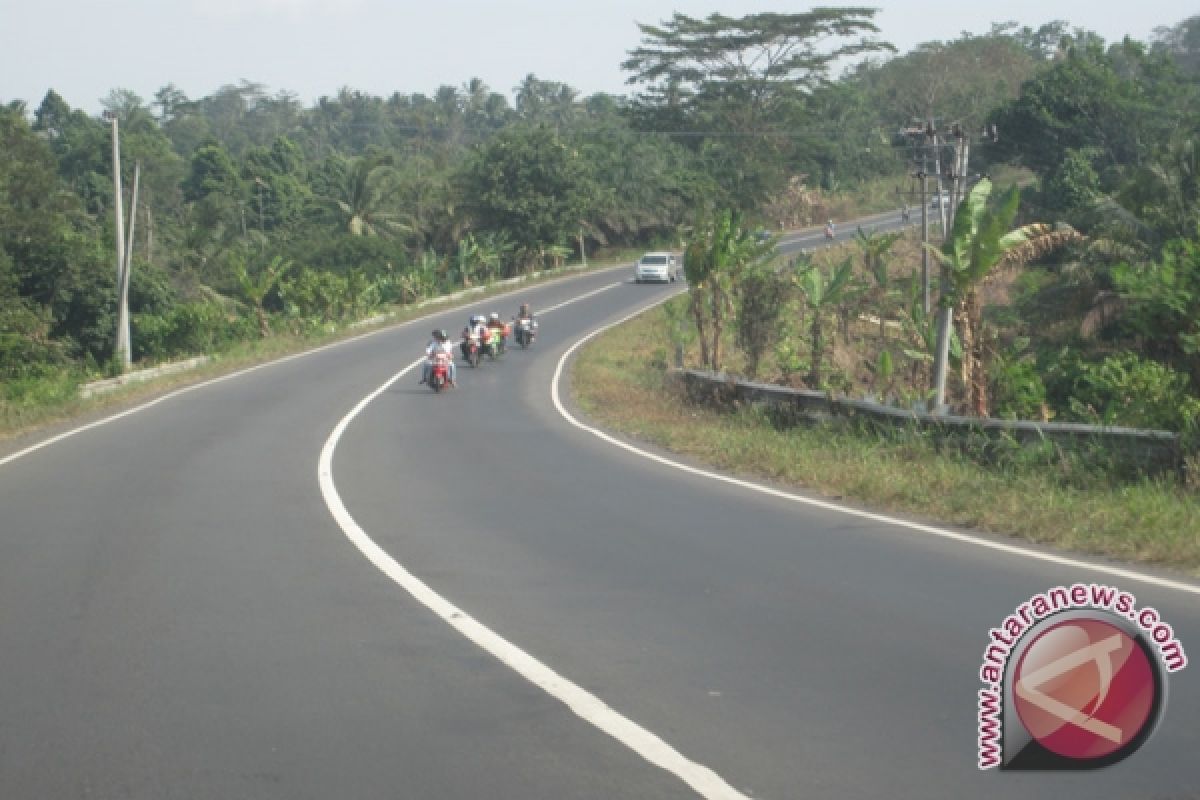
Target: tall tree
{"x": 743, "y": 78}
{"x": 529, "y": 183}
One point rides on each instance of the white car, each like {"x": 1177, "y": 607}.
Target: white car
{"x": 660, "y": 266}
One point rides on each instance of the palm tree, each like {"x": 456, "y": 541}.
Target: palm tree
{"x": 364, "y": 202}
{"x": 981, "y": 241}
{"x": 254, "y": 286}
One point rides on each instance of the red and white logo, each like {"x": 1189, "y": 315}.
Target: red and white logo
{"x": 1084, "y": 689}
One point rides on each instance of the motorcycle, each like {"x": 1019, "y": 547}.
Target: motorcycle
{"x": 439, "y": 373}
{"x": 829, "y": 232}
{"x": 493, "y": 346}
{"x": 470, "y": 349}
{"x": 526, "y": 331}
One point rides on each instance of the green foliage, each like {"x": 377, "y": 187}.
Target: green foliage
{"x": 822, "y": 293}
{"x": 187, "y": 329}
{"x": 1110, "y": 102}
{"x": 762, "y": 298}
{"x": 1128, "y": 390}
{"x": 1017, "y": 390}
{"x": 743, "y": 76}
{"x": 1164, "y": 300}
{"x": 531, "y": 184}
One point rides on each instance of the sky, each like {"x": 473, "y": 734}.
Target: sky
{"x": 84, "y": 48}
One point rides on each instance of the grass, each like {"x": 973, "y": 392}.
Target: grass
{"x": 619, "y": 380}
{"x": 30, "y": 404}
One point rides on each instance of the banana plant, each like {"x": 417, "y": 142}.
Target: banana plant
{"x": 823, "y": 292}
{"x": 981, "y": 240}
{"x": 874, "y": 248}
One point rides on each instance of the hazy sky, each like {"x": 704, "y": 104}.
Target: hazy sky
{"x": 84, "y": 48}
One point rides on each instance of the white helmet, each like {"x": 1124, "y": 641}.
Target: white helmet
{"x": 494, "y": 315}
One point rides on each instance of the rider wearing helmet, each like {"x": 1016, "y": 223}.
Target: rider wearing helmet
{"x": 498, "y": 328}
{"x": 440, "y": 343}
{"x": 476, "y": 329}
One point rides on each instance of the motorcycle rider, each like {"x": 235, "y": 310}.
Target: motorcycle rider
{"x": 438, "y": 344}
{"x": 496, "y": 327}
{"x": 830, "y": 230}
{"x": 525, "y": 312}
{"x": 476, "y": 329}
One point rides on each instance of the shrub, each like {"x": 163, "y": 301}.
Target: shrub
{"x": 1126, "y": 389}
{"x": 1017, "y": 389}
{"x": 187, "y": 329}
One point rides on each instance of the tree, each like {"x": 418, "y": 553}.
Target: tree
{"x": 1108, "y": 103}
{"x": 743, "y": 77}
{"x": 530, "y": 184}
{"x": 360, "y": 196}
{"x": 982, "y": 240}
{"x": 254, "y": 284}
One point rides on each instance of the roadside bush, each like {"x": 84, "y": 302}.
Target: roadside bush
{"x": 1126, "y": 389}
{"x": 1017, "y": 389}
{"x": 187, "y": 329}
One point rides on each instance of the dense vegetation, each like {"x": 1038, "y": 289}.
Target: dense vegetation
{"x": 257, "y": 214}
{"x": 1077, "y": 300}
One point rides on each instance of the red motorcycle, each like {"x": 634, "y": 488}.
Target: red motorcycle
{"x": 439, "y": 373}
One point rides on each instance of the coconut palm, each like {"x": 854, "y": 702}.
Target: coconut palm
{"x": 364, "y": 200}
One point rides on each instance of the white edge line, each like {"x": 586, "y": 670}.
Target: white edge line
{"x": 583, "y": 703}
{"x": 33, "y": 448}
{"x": 1014, "y": 550}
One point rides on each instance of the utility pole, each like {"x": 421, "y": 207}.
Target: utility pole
{"x": 924, "y": 175}
{"x": 941, "y": 354}
{"x": 124, "y": 340}
{"x": 122, "y": 354}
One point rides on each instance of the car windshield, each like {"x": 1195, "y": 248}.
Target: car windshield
{"x": 654, "y": 260}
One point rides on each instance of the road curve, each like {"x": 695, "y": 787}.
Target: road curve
{"x": 181, "y": 616}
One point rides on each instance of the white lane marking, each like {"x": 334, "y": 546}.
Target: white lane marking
{"x": 222, "y": 378}
{"x": 583, "y": 296}
{"x": 583, "y": 703}
{"x": 1009, "y": 549}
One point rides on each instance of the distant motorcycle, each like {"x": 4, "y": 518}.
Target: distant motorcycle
{"x": 470, "y": 349}
{"x": 439, "y": 373}
{"x": 526, "y": 331}
{"x": 493, "y": 346}
{"x": 829, "y": 232}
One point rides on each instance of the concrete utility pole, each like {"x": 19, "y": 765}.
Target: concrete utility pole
{"x": 122, "y": 351}
{"x": 941, "y": 355}
{"x": 924, "y": 175}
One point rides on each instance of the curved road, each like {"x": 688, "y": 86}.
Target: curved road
{"x": 182, "y": 616}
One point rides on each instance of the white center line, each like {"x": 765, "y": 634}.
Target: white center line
{"x": 583, "y": 703}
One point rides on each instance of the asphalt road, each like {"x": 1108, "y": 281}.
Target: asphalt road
{"x": 182, "y": 616}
